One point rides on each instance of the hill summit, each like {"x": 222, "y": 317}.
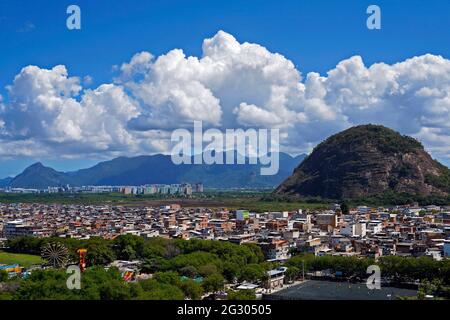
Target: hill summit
{"x": 365, "y": 161}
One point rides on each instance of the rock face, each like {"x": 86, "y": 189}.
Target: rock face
{"x": 367, "y": 160}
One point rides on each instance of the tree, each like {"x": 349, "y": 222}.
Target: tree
{"x": 231, "y": 271}
{"x": 192, "y": 289}
{"x": 292, "y": 273}
{"x": 189, "y": 271}
{"x": 257, "y": 255}
{"x": 97, "y": 283}
{"x": 252, "y": 273}
{"x": 128, "y": 247}
{"x": 114, "y": 290}
{"x": 3, "y": 276}
{"x": 196, "y": 259}
{"x": 153, "y": 249}
{"x": 4, "y": 295}
{"x": 168, "y": 277}
{"x": 241, "y": 295}
{"x": 207, "y": 269}
{"x": 128, "y": 253}
{"x": 45, "y": 284}
{"x": 345, "y": 208}
{"x": 29, "y": 245}
{"x": 154, "y": 290}
{"x": 171, "y": 251}
{"x": 99, "y": 252}
{"x": 213, "y": 283}
{"x": 429, "y": 288}
{"x": 155, "y": 264}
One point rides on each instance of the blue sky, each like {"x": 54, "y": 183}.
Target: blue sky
{"x": 314, "y": 35}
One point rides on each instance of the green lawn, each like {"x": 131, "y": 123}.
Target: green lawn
{"x": 246, "y": 199}
{"x": 24, "y": 260}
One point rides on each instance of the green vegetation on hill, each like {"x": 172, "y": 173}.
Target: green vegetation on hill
{"x": 399, "y": 198}
{"x": 368, "y": 161}
{"x": 388, "y": 198}
{"x": 387, "y": 140}
{"x": 442, "y": 181}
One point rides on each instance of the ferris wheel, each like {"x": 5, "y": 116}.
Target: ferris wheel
{"x": 55, "y": 254}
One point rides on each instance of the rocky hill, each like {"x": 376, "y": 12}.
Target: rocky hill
{"x": 365, "y": 161}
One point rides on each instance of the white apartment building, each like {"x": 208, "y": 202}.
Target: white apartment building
{"x": 354, "y": 230}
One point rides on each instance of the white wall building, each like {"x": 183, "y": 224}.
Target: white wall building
{"x": 354, "y": 230}
{"x": 375, "y": 226}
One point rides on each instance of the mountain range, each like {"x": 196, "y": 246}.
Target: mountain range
{"x": 154, "y": 169}
{"x": 363, "y": 161}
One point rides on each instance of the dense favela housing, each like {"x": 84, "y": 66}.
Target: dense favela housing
{"x": 366, "y": 233}
{"x": 363, "y": 231}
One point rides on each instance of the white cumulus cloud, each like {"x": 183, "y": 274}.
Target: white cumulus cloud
{"x": 231, "y": 85}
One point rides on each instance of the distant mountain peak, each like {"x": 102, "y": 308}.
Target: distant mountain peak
{"x": 39, "y": 176}
{"x": 36, "y": 165}
{"x": 152, "y": 169}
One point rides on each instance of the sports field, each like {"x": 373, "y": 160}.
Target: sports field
{"x": 24, "y": 260}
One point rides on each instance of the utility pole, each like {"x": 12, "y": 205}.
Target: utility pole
{"x": 303, "y": 270}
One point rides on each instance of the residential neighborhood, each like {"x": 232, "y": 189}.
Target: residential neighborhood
{"x": 363, "y": 231}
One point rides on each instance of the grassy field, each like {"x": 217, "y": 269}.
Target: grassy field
{"x": 24, "y": 260}
{"x": 250, "y": 200}
{"x": 68, "y": 198}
